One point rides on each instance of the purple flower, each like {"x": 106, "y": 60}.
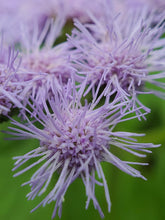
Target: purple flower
{"x": 48, "y": 64}
{"x": 121, "y": 52}
{"x": 10, "y": 76}
{"x": 74, "y": 139}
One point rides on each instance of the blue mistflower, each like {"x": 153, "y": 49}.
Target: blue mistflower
{"x": 123, "y": 52}
{"x": 74, "y": 139}
{"x": 47, "y": 64}
{"x": 11, "y": 78}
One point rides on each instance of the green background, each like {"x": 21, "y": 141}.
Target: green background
{"x": 131, "y": 198}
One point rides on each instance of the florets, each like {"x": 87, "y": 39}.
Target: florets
{"x": 74, "y": 139}
{"x": 121, "y": 52}
{"x": 10, "y": 89}
{"x": 48, "y": 64}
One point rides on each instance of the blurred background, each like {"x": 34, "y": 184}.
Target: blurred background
{"x": 131, "y": 198}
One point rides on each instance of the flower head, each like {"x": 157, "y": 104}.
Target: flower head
{"x": 48, "y": 64}
{"x": 74, "y": 139}
{"x": 121, "y": 52}
{"x": 10, "y": 76}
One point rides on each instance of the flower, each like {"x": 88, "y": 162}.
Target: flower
{"x": 121, "y": 52}
{"x": 48, "y": 64}
{"x": 74, "y": 139}
{"x": 10, "y": 76}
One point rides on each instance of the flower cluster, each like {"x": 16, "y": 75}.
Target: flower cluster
{"x": 72, "y": 95}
